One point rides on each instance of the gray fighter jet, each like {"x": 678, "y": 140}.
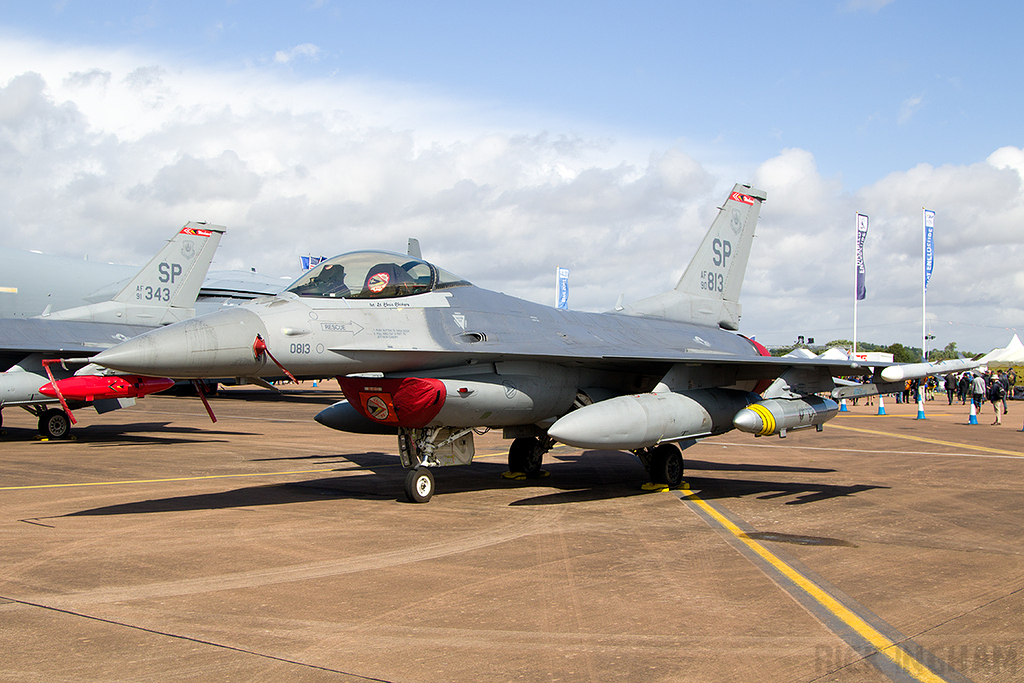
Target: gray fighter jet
{"x": 421, "y": 353}
{"x": 162, "y": 292}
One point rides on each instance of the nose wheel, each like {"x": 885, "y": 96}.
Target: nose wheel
{"x": 667, "y": 465}
{"x": 419, "y": 485}
{"x": 54, "y": 424}
{"x": 526, "y": 455}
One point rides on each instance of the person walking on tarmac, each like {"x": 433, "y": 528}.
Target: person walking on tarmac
{"x": 978, "y": 389}
{"x": 964, "y": 387}
{"x": 996, "y": 392}
{"x": 1004, "y": 379}
{"x": 950, "y": 386}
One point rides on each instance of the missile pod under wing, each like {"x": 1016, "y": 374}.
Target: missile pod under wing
{"x": 778, "y": 415}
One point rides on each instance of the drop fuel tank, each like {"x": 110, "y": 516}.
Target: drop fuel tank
{"x": 643, "y": 420}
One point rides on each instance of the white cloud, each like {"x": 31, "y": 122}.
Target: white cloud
{"x": 106, "y": 152}
{"x": 909, "y": 108}
{"x": 308, "y": 50}
{"x": 802, "y": 269}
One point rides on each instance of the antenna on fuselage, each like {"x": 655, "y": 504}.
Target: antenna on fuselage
{"x": 414, "y": 248}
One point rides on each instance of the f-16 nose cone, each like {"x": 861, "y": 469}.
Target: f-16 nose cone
{"x": 219, "y": 344}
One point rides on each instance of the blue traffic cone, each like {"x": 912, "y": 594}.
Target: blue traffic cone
{"x": 974, "y": 415}
{"x": 842, "y": 406}
{"x": 881, "y": 405}
{"x": 920, "y": 408}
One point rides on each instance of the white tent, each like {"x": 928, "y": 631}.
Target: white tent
{"x": 1013, "y": 354}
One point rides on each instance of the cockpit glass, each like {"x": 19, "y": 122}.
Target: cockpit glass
{"x": 372, "y": 275}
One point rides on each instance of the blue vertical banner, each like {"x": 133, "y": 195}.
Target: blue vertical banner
{"x": 862, "y": 233}
{"x": 562, "y": 291}
{"x": 310, "y": 261}
{"x": 929, "y": 245}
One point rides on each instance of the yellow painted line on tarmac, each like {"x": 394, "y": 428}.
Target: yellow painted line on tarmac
{"x": 884, "y": 645}
{"x": 954, "y": 444}
{"x": 158, "y": 481}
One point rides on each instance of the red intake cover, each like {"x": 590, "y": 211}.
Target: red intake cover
{"x": 409, "y": 402}
{"x": 92, "y": 387}
{"x": 761, "y": 350}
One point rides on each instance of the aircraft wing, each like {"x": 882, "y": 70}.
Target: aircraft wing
{"x": 837, "y": 367}
{"x": 748, "y": 367}
{"x": 20, "y": 337}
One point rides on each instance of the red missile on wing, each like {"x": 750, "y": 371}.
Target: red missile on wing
{"x": 93, "y": 387}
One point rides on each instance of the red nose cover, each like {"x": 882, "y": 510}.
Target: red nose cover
{"x": 408, "y": 402}
{"x": 92, "y": 387}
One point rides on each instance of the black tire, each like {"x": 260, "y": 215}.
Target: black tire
{"x": 667, "y": 465}
{"x": 525, "y": 455}
{"x": 419, "y": 485}
{"x": 54, "y": 424}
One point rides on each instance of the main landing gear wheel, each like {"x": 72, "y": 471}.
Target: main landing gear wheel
{"x": 54, "y": 424}
{"x": 526, "y": 455}
{"x": 667, "y": 465}
{"x": 419, "y": 485}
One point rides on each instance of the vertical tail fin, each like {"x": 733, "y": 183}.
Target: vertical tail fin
{"x": 174, "y": 276}
{"x": 708, "y": 292}
{"x": 165, "y": 289}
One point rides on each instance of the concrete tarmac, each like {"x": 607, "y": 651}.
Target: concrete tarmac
{"x": 157, "y": 546}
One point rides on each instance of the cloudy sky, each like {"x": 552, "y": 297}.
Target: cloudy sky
{"x": 599, "y": 136}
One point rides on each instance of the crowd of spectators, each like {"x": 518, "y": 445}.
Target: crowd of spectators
{"x": 978, "y": 387}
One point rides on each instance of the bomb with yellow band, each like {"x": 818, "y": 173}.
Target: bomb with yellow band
{"x": 779, "y": 415}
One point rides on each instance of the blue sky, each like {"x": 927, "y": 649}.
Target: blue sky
{"x": 590, "y": 134}
{"x": 871, "y": 87}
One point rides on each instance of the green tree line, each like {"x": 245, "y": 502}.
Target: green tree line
{"x": 900, "y": 353}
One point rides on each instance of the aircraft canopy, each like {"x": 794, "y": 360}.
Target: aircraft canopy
{"x": 373, "y": 275}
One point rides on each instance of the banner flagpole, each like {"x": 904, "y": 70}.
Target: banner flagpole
{"x": 928, "y": 258}
{"x": 856, "y": 283}
{"x": 859, "y": 288}
{"x": 561, "y": 288}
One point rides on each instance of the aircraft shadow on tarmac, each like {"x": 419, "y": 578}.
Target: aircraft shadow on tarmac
{"x": 593, "y": 476}
{"x": 707, "y": 487}
{"x": 608, "y": 485}
{"x": 804, "y": 492}
{"x": 134, "y": 433}
{"x": 383, "y": 480}
{"x": 250, "y": 496}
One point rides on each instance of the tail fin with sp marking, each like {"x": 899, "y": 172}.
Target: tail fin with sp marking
{"x": 708, "y": 292}
{"x": 165, "y": 289}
